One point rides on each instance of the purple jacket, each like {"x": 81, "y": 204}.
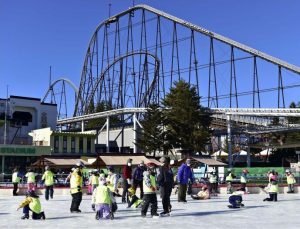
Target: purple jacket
{"x": 184, "y": 174}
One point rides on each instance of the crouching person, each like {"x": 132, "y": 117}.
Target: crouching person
{"x": 102, "y": 200}
{"x": 202, "y": 195}
{"x": 32, "y": 203}
{"x": 236, "y": 200}
{"x": 134, "y": 201}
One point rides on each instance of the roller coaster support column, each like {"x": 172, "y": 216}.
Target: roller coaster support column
{"x": 229, "y": 141}
{"x": 82, "y": 126}
{"x": 248, "y": 151}
{"x": 107, "y": 134}
{"x": 134, "y": 132}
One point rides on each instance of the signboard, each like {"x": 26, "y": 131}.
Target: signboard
{"x": 17, "y": 150}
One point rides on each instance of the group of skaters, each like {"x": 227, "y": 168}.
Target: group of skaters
{"x": 146, "y": 177}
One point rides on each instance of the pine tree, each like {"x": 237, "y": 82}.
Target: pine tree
{"x": 152, "y": 139}
{"x": 187, "y": 122}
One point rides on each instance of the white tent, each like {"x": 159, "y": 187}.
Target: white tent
{"x": 266, "y": 152}
{"x": 220, "y": 153}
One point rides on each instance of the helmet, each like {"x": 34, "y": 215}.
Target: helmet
{"x": 245, "y": 171}
{"x": 110, "y": 168}
{"x": 204, "y": 187}
{"x": 31, "y": 193}
{"x": 287, "y": 171}
{"x": 131, "y": 191}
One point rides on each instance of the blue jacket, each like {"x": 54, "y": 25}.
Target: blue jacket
{"x": 184, "y": 174}
{"x": 138, "y": 174}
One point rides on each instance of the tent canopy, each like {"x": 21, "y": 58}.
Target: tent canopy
{"x": 195, "y": 161}
{"x": 57, "y": 162}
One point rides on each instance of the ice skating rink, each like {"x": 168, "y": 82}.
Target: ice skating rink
{"x": 212, "y": 213}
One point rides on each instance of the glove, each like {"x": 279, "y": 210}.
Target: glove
{"x": 153, "y": 189}
{"x": 78, "y": 188}
{"x": 129, "y": 181}
{"x": 93, "y": 207}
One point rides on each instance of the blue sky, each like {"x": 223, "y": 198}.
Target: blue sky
{"x": 38, "y": 33}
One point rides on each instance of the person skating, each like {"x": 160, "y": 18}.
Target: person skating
{"x": 48, "y": 179}
{"x": 243, "y": 181}
{"x": 33, "y": 204}
{"x": 15, "y": 180}
{"x": 30, "y": 175}
{"x": 149, "y": 185}
{"x": 134, "y": 201}
{"x": 138, "y": 178}
{"x": 112, "y": 181}
{"x": 185, "y": 174}
{"x": 102, "y": 200}
{"x": 165, "y": 180}
{"x": 127, "y": 175}
{"x": 204, "y": 194}
{"x": 290, "y": 179}
{"x": 272, "y": 189}
{"x": 235, "y": 200}
{"x": 213, "y": 183}
{"x": 229, "y": 179}
{"x": 76, "y": 188}
{"x": 94, "y": 180}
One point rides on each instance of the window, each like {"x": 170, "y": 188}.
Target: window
{"x": 56, "y": 144}
{"x": 65, "y": 144}
{"x": 80, "y": 145}
{"x": 72, "y": 144}
{"x": 88, "y": 145}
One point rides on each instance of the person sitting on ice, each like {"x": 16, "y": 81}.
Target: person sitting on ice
{"x": 203, "y": 194}
{"x": 236, "y": 200}
{"x": 134, "y": 201}
{"x": 32, "y": 203}
{"x": 102, "y": 201}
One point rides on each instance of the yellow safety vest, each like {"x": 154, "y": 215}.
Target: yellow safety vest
{"x": 15, "y": 178}
{"x": 30, "y": 177}
{"x": 243, "y": 180}
{"x": 147, "y": 189}
{"x": 213, "y": 179}
{"x": 111, "y": 178}
{"x": 273, "y": 188}
{"x": 35, "y": 205}
{"x": 95, "y": 180}
{"x": 136, "y": 203}
{"x": 102, "y": 195}
{"x": 229, "y": 178}
{"x": 75, "y": 181}
{"x": 48, "y": 176}
{"x": 290, "y": 179}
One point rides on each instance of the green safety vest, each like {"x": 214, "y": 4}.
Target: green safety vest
{"x": 213, "y": 179}
{"x": 30, "y": 177}
{"x": 48, "y": 176}
{"x": 35, "y": 205}
{"x": 229, "y": 178}
{"x": 290, "y": 179}
{"x": 15, "y": 178}
{"x": 147, "y": 189}
{"x": 102, "y": 195}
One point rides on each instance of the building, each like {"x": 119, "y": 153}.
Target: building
{"x": 24, "y": 114}
{"x": 65, "y": 143}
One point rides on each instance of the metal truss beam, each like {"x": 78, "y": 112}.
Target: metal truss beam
{"x": 265, "y": 112}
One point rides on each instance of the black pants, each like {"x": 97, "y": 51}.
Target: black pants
{"x": 235, "y": 201}
{"x": 76, "y": 200}
{"x": 26, "y": 210}
{"x": 125, "y": 191}
{"x": 182, "y": 192}
{"x": 147, "y": 200}
{"x": 242, "y": 187}
{"x": 165, "y": 193}
{"x": 49, "y": 190}
{"x": 136, "y": 184}
{"x": 213, "y": 187}
{"x": 273, "y": 197}
{"x": 15, "y": 189}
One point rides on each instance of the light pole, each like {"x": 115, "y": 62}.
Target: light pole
{"x": 5, "y": 118}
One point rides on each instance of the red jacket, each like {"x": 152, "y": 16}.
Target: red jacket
{"x": 127, "y": 172}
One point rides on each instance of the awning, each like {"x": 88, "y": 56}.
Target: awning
{"x": 121, "y": 160}
{"x": 58, "y": 162}
{"x": 209, "y": 161}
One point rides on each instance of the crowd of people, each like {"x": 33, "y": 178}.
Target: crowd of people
{"x": 148, "y": 178}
